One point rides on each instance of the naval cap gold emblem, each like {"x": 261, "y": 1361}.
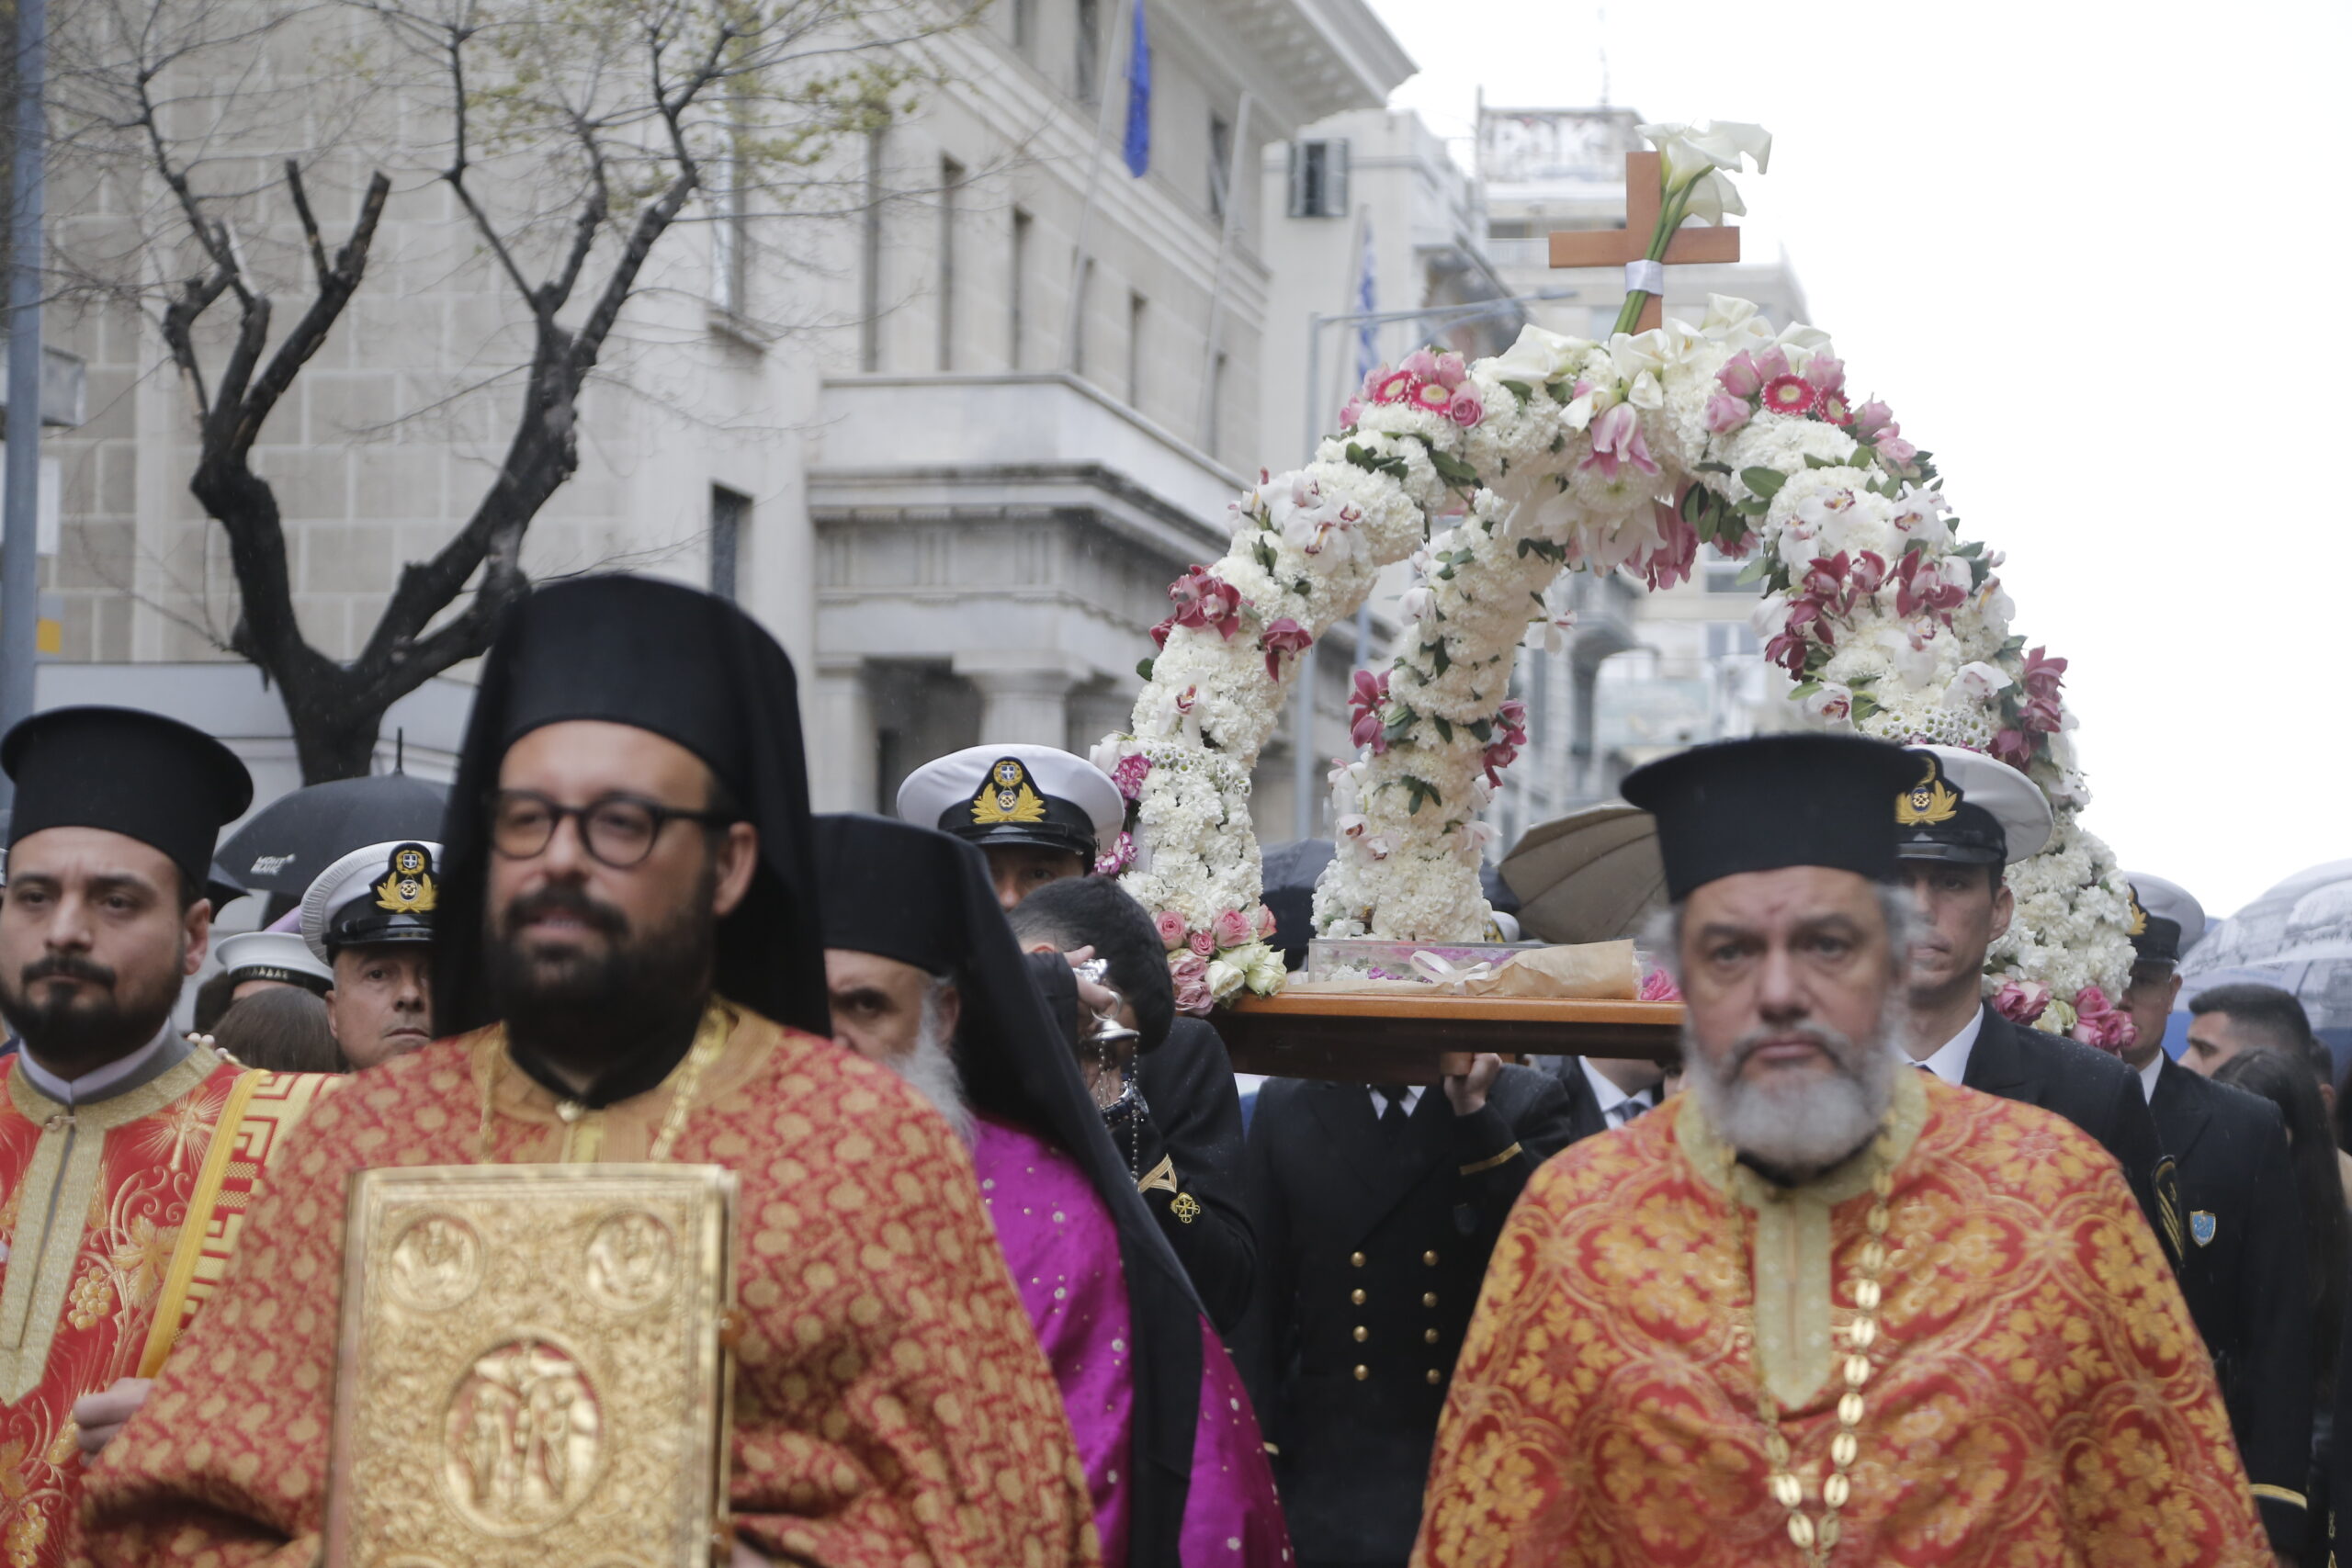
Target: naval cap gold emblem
{"x": 1926, "y": 802}
{"x": 407, "y": 887}
{"x": 1007, "y": 797}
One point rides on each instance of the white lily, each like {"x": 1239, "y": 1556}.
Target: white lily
{"x": 1645, "y": 392}
{"x": 1540, "y": 355}
{"x": 1712, "y": 198}
{"x": 1107, "y": 753}
{"x": 1690, "y": 149}
{"x": 1579, "y": 413}
{"x": 1976, "y": 682}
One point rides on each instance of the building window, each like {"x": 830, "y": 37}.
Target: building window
{"x": 1220, "y": 161}
{"x": 731, "y": 261}
{"x": 1318, "y": 178}
{"x": 951, "y": 191}
{"x": 869, "y": 261}
{"x": 1089, "y": 49}
{"x": 731, "y": 515}
{"x": 1135, "y": 350}
{"x": 1023, "y": 226}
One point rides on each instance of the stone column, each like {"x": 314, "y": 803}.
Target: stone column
{"x": 1024, "y": 697}
{"x": 839, "y": 718}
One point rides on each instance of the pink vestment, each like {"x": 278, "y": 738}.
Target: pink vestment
{"x": 1063, "y": 1247}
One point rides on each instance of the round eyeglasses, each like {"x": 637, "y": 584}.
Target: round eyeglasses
{"x": 617, "y": 829}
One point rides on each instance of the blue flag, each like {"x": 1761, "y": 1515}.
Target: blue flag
{"x": 1140, "y": 99}
{"x": 1367, "y": 303}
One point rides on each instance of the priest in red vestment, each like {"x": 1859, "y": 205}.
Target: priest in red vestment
{"x": 1824, "y": 1308}
{"x": 127, "y": 1152}
{"x": 629, "y": 965}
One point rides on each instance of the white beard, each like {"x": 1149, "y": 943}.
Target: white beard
{"x": 931, "y": 1068}
{"x": 1798, "y": 1128}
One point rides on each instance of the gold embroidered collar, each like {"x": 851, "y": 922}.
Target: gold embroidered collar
{"x": 1795, "y": 1317}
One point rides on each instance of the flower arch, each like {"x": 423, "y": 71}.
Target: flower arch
{"x": 1494, "y": 479}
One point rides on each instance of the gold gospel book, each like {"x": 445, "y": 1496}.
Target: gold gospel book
{"x": 534, "y": 1368}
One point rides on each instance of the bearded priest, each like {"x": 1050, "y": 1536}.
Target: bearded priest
{"x": 1824, "y": 1307}
{"x": 629, "y": 959}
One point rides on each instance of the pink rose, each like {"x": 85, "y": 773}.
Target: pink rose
{"x": 1420, "y": 363}
{"x": 1658, "y": 986}
{"x": 1451, "y": 369}
{"x": 1894, "y": 453}
{"x": 1826, "y": 373}
{"x": 1191, "y": 976}
{"x": 1265, "y": 924}
{"x": 1202, "y": 942}
{"x": 1771, "y": 364}
{"x": 1232, "y": 929}
{"x": 2021, "y": 1001}
{"x": 1726, "y": 413}
{"x": 1872, "y": 418}
{"x": 1740, "y": 378}
{"x": 2098, "y": 1023}
{"x": 1350, "y": 412}
{"x": 1466, "y": 410}
{"x": 1171, "y": 928}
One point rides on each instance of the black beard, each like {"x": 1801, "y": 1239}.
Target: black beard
{"x": 590, "y": 1013}
{"x": 79, "y": 1032}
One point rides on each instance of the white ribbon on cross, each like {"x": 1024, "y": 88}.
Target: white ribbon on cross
{"x": 1645, "y": 276}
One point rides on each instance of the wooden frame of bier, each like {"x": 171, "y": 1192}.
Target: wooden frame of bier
{"x": 1391, "y": 1038}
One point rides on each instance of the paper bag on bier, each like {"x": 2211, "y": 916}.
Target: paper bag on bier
{"x": 1596, "y": 971}
{"x": 533, "y": 1367}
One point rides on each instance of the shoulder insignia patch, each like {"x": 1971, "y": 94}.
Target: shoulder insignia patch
{"x": 2202, "y": 1226}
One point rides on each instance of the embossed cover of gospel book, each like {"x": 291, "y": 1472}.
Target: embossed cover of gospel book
{"x": 532, "y": 1366}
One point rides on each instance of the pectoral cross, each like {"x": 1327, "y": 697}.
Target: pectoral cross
{"x": 1615, "y": 247}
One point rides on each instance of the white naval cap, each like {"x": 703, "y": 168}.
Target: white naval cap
{"x": 1969, "y": 807}
{"x": 386, "y": 891}
{"x": 1016, "y": 794}
{"x": 2166, "y": 918}
{"x": 272, "y": 955}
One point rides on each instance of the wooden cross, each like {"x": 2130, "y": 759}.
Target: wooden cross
{"x": 1615, "y": 247}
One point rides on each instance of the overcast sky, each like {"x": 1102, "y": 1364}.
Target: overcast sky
{"x": 2091, "y": 254}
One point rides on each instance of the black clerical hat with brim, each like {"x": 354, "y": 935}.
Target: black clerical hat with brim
{"x": 165, "y": 783}
{"x": 1771, "y": 802}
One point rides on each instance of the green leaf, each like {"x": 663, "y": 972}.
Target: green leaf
{"x": 1301, "y": 586}
{"x": 1453, "y": 470}
{"x": 1440, "y": 660}
{"x": 1143, "y": 668}
{"x": 1421, "y": 790}
{"x": 1521, "y": 390}
{"x": 1753, "y": 571}
{"x": 1264, "y": 552}
{"x": 1766, "y": 482}
{"x": 1752, "y": 506}
{"x": 1713, "y": 467}
{"x": 1445, "y": 727}
{"x": 1865, "y": 705}
{"x": 1804, "y": 689}
{"x": 1371, "y": 462}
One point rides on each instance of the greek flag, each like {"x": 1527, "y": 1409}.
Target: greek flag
{"x": 1367, "y": 303}
{"x": 1140, "y": 99}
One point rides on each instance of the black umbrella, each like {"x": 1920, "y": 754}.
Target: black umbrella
{"x": 297, "y": 836}
{"x": 1290, "y": 872}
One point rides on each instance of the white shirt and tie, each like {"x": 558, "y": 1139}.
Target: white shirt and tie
{"x": 1617, "y": 1106}
{"x": 1950, "y": 1061}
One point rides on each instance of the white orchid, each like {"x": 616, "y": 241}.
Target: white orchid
{"x": 1714, "y": 198}
{"x": 1975, "y": 683}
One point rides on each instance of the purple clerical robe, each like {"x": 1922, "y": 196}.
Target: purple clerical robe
{"x": 1063, "y": 1248}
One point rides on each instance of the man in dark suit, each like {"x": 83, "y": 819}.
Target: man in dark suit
{"x": 1376, "y": 1210}
{"x": 1604, "y": 1092}
{"x": 1966, "y": 818}
{"x": 2249, "y": 1291}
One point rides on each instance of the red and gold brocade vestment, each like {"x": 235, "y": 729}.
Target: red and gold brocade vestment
{"x": 100, "y": 1268}
{"x": 2038, "y": 1395}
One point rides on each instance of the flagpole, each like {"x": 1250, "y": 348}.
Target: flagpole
{"x": 1217, "y": 290}
{"x": 1081, "y": 261}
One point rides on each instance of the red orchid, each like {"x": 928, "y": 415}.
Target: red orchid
{"x": 1364, "y": 726}
{"x": 2013, "y": 748}
{"x": 1285, "y": 636}
{"x": 1869, "y": 572}
{"x": 2043, "y": 675}
{"x": 1204, "y": 599}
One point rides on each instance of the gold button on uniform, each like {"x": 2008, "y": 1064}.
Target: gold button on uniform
{"x": 1363, "y": 1334}
{"x": 1429, "y": 1335}
{"x": 1434, "y": 1375}
{"x": 1362, "y": 1372}
{"x": 1430, "y": 1300}
{"x": 1430, "y": 1258}
{"x": 1356, "y": 1296}
{"x": 1355, "y": 1261}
